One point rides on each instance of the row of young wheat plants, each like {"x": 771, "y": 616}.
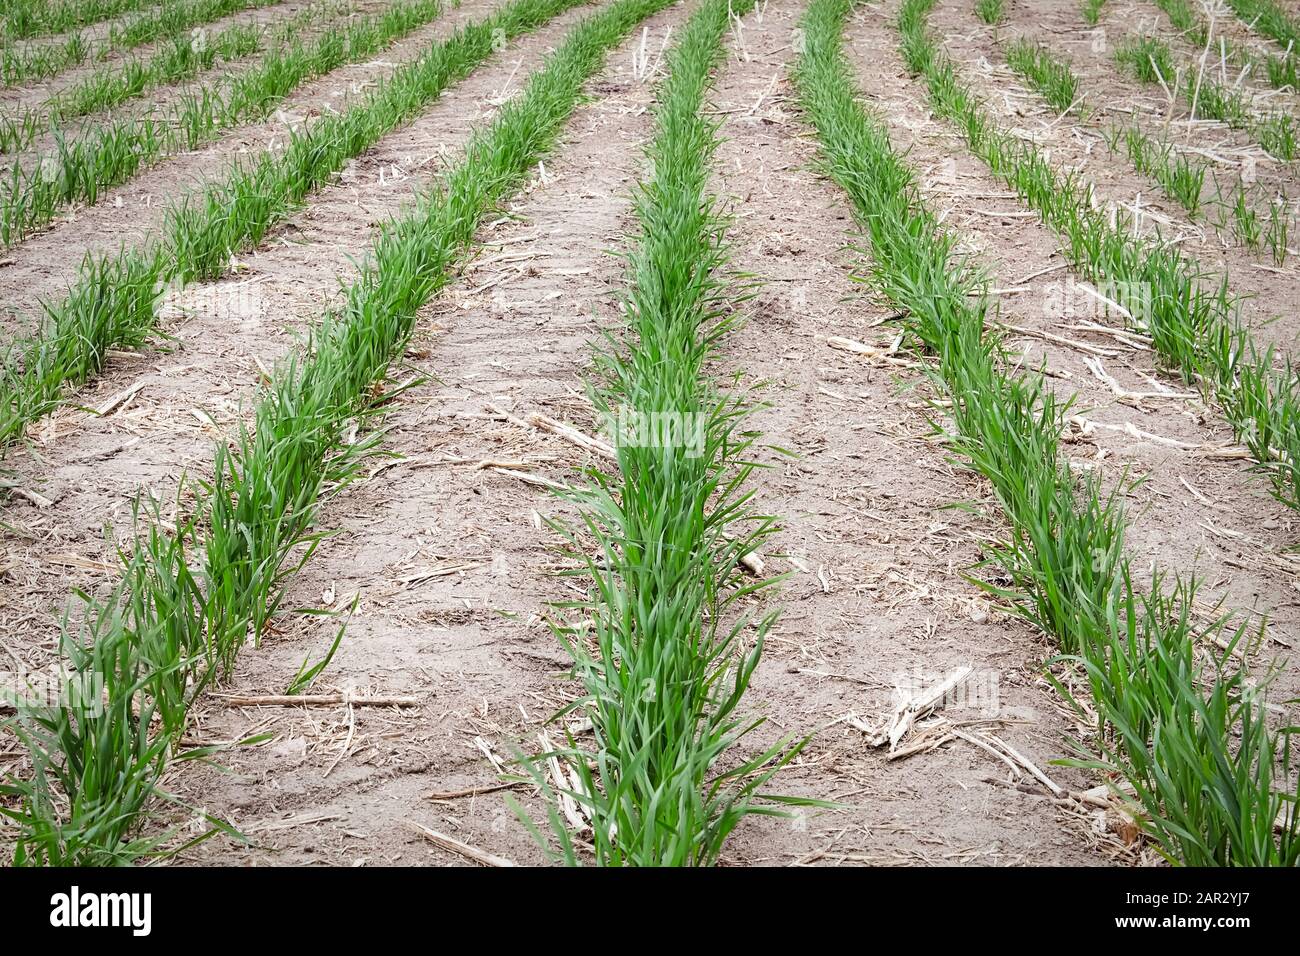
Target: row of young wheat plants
{"x": 1180, "y": 177}
{"x": 40, "y": 60}
{"x": 1192, "y": 80}
{"x": 1279, "y": 70}
{"x": 33, "y": 18}
{"x": 1272, "y": 20}
{"x": 1151, "y": 60}
{"x": 80, "y": 168}
{"x": 113, "y": 302}
{"x": 183, "y": 58}
{"x": 1091, "y": 11}
{"x": 1175, "y": 719}
{"x": 191, "y": 597}
{"x": 1191, "y": 317}
{"x": 673, "y": 640}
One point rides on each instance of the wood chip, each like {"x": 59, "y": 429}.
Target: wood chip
{"x": 455, "y": 846}
{"x": 571, "y": 434}
{"x": 316, "y": 700}
{"x": 536, "y": 480}
{"x": 428, "y": 574}
{"x": 35, "y": 497}
{"x": 119, "y": 400}
{"x": 875, "y": 354}
{"x": 471, "y": 791}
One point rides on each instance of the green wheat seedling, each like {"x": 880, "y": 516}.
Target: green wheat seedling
{"x": 1091, "y": 11}
{"x": 1283, "y": 72}
{"x": 1276, "y": 133}
{"x": 113, "y": 301}
{"x": 1245, "y": 220}
{"x": 1180, "y": 178}
{"x": 1189, "y": 19}
{"x": 1147, "y": 58}
{"x": 1186, "y": 19}
{"x": 191, "y": 599}
{"x": 78, "y": 170}
{"x": 1232, "y": 749}
{"x": 1214, "y": 100}
{"x": 1242, "y": 218}
{"x": 112, "y": 305}
{"x": 1278, "y": 231}
{"x": 30, "y": 62}
{"x": 19, "y": 131}
{"x": 1254, "y": 230}
{"x": 1151, "y": 60}
{"x": 1049, "y": 76}
{"x": 1188, "y": 731}
{"x": 671, "y": 654}
{"x": 135, "y": 659}
{"x": 990, "y": 11}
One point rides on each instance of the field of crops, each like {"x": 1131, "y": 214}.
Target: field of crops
{"x": 649, "y": 432}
